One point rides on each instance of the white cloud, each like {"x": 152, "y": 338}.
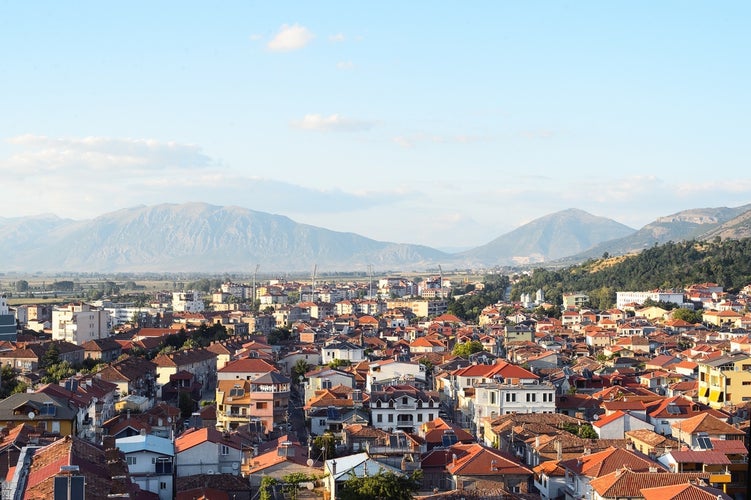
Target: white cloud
{"x": 89, "y": 155}
{"x": 290, "y": 38}
{"x": 334, "y": 123}
{"x": 255, "y": 37}
{"x": 337, "y": 38}
{"x": 344, "y": 65}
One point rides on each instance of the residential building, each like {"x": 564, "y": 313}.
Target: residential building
{"x": 189, "y": 301}
{"x": 72, "y": 468}
{"x": 402, "y": 407}
{"x": 265, "y": 399}
{"x": 501, "y": 398}
{"x": 8, "y": 327}
{"x": 78, "y": 323}
{"x": 623, "y": 298}
{"x": 150, "y": 462}
{"x": 575, "y": 300}
{"x": 725, "y": 380}
{"x": 208, "y": 451}
{"x": 51, "y": 413}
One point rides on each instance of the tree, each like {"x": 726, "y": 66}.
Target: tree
{"x": 324, "y": 447}
{"x": 687, "y": 315}
{"x": 466, "y": 349}
{"x": 300, "y": 368}
{"x": 382, "y": 486}
{"x": 336, "y": 363}
{"x": 186, "y": 404}
{"x": 51, "y": 356}
{"x": 22, "y": 286}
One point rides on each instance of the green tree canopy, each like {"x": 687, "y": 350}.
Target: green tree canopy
{"x": 382, "y": 486}
{"x": 465, "y": 349}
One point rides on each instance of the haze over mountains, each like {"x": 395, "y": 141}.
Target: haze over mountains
{"x": 198, "y": 237}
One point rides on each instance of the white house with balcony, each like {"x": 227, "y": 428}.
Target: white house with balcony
{"x": 402, "y": 407}
{"x": 150, "y": 462}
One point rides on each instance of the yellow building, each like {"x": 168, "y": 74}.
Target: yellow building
{"x": 38, "y": 410}
{"x": 725, "y": 380}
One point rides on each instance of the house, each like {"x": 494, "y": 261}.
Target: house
{"x": 502, "y": 397}
{"x": 104, "y": 350}
{"x": 342, "y": 350}
{"x": 132, "y": 375}
{"x": 279, "y": 458}
{"x": 725, "y": 379}
{"x": 265, "y": 398}
{"x": 208, "y": 451}
{"x": 476, "y": 463}
{"x": 402, "y": 407}
{"x": 698, "y": 431}
{"x": 550, "y": 480}
{"x": 51, "y": 413}
{"x": 150, "y": 462}
{"x": 326, "y": 378}
{"x": 200, "y": 362}
{"x": 245, "y": 369}
{"x": 626, "y": 483}
{"x": 72, "y": 464}
{"x": 681, "y": 491}
{"x": 615, "y": 425}
{"x": 391, "y": 371}
{"x": 582, "y": 471}
{"x": 338, "y": 470}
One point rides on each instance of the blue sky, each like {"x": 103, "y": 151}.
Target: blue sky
{"x": 439, "y": 123}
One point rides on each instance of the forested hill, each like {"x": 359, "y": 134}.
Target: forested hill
{"x": 671, "y": 265}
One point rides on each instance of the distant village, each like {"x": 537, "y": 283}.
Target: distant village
{"x": 283, "y": 389}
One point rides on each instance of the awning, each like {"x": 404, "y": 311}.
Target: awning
{"x": 704, "y": 392}
{"x": 715, "y": 396}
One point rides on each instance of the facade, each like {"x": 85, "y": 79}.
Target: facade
{"x": 7, "y": 321}
{"x": 501, "y": 398}
{"x": 187, "y": 302}
{"x": 79, "y": 323}
{"x": 574, "y": 300}
{"x": 208, "y": 451}
{"x": 402, "y": 407}
{"x": 725, "y": 380}
{"x": 150, "y": 462}
{"x": 624, "y": 298}
{"x": 264, "y": 399}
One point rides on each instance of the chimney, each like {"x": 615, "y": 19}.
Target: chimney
{"x": 558, "y": 450}
{"x": 333, "y": 467}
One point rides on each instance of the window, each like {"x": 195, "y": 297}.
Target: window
{"x": 404, "y": 400}
{"x": 131, "y": 460}
{"x": 391, "y": 417}
{"x": 162, "y": 485}
{"x": 430, "y": 416}
{"x": 379, "y": 418}
{"x": 262, "y": 405}
{"x": 321, "y": 421}
{"x": 419, "y": 417}
{"x": 224, "y": 449}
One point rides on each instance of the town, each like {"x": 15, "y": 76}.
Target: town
{"x": 375, "y": 387}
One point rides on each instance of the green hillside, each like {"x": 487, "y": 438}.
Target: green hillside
{"x": 671, "y": 265}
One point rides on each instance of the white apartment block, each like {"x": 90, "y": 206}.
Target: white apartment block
{"x": 187, "y": 302}
{"x": 623, "y": 298}
{"x": 79, "y": 323}
{"x": 495, "y": 399}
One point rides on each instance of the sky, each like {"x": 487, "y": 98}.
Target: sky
{"x": 441, "y": 123}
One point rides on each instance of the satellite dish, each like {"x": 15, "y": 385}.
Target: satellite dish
{"x": 32, "y": 415}
{"x": 169, "y": 420}
{"x": 310, "y": 462}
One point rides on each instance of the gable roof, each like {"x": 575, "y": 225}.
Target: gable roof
{"x": 478, "y": 460}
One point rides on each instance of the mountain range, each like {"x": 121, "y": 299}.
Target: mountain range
{"x": 199, "y": 237}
